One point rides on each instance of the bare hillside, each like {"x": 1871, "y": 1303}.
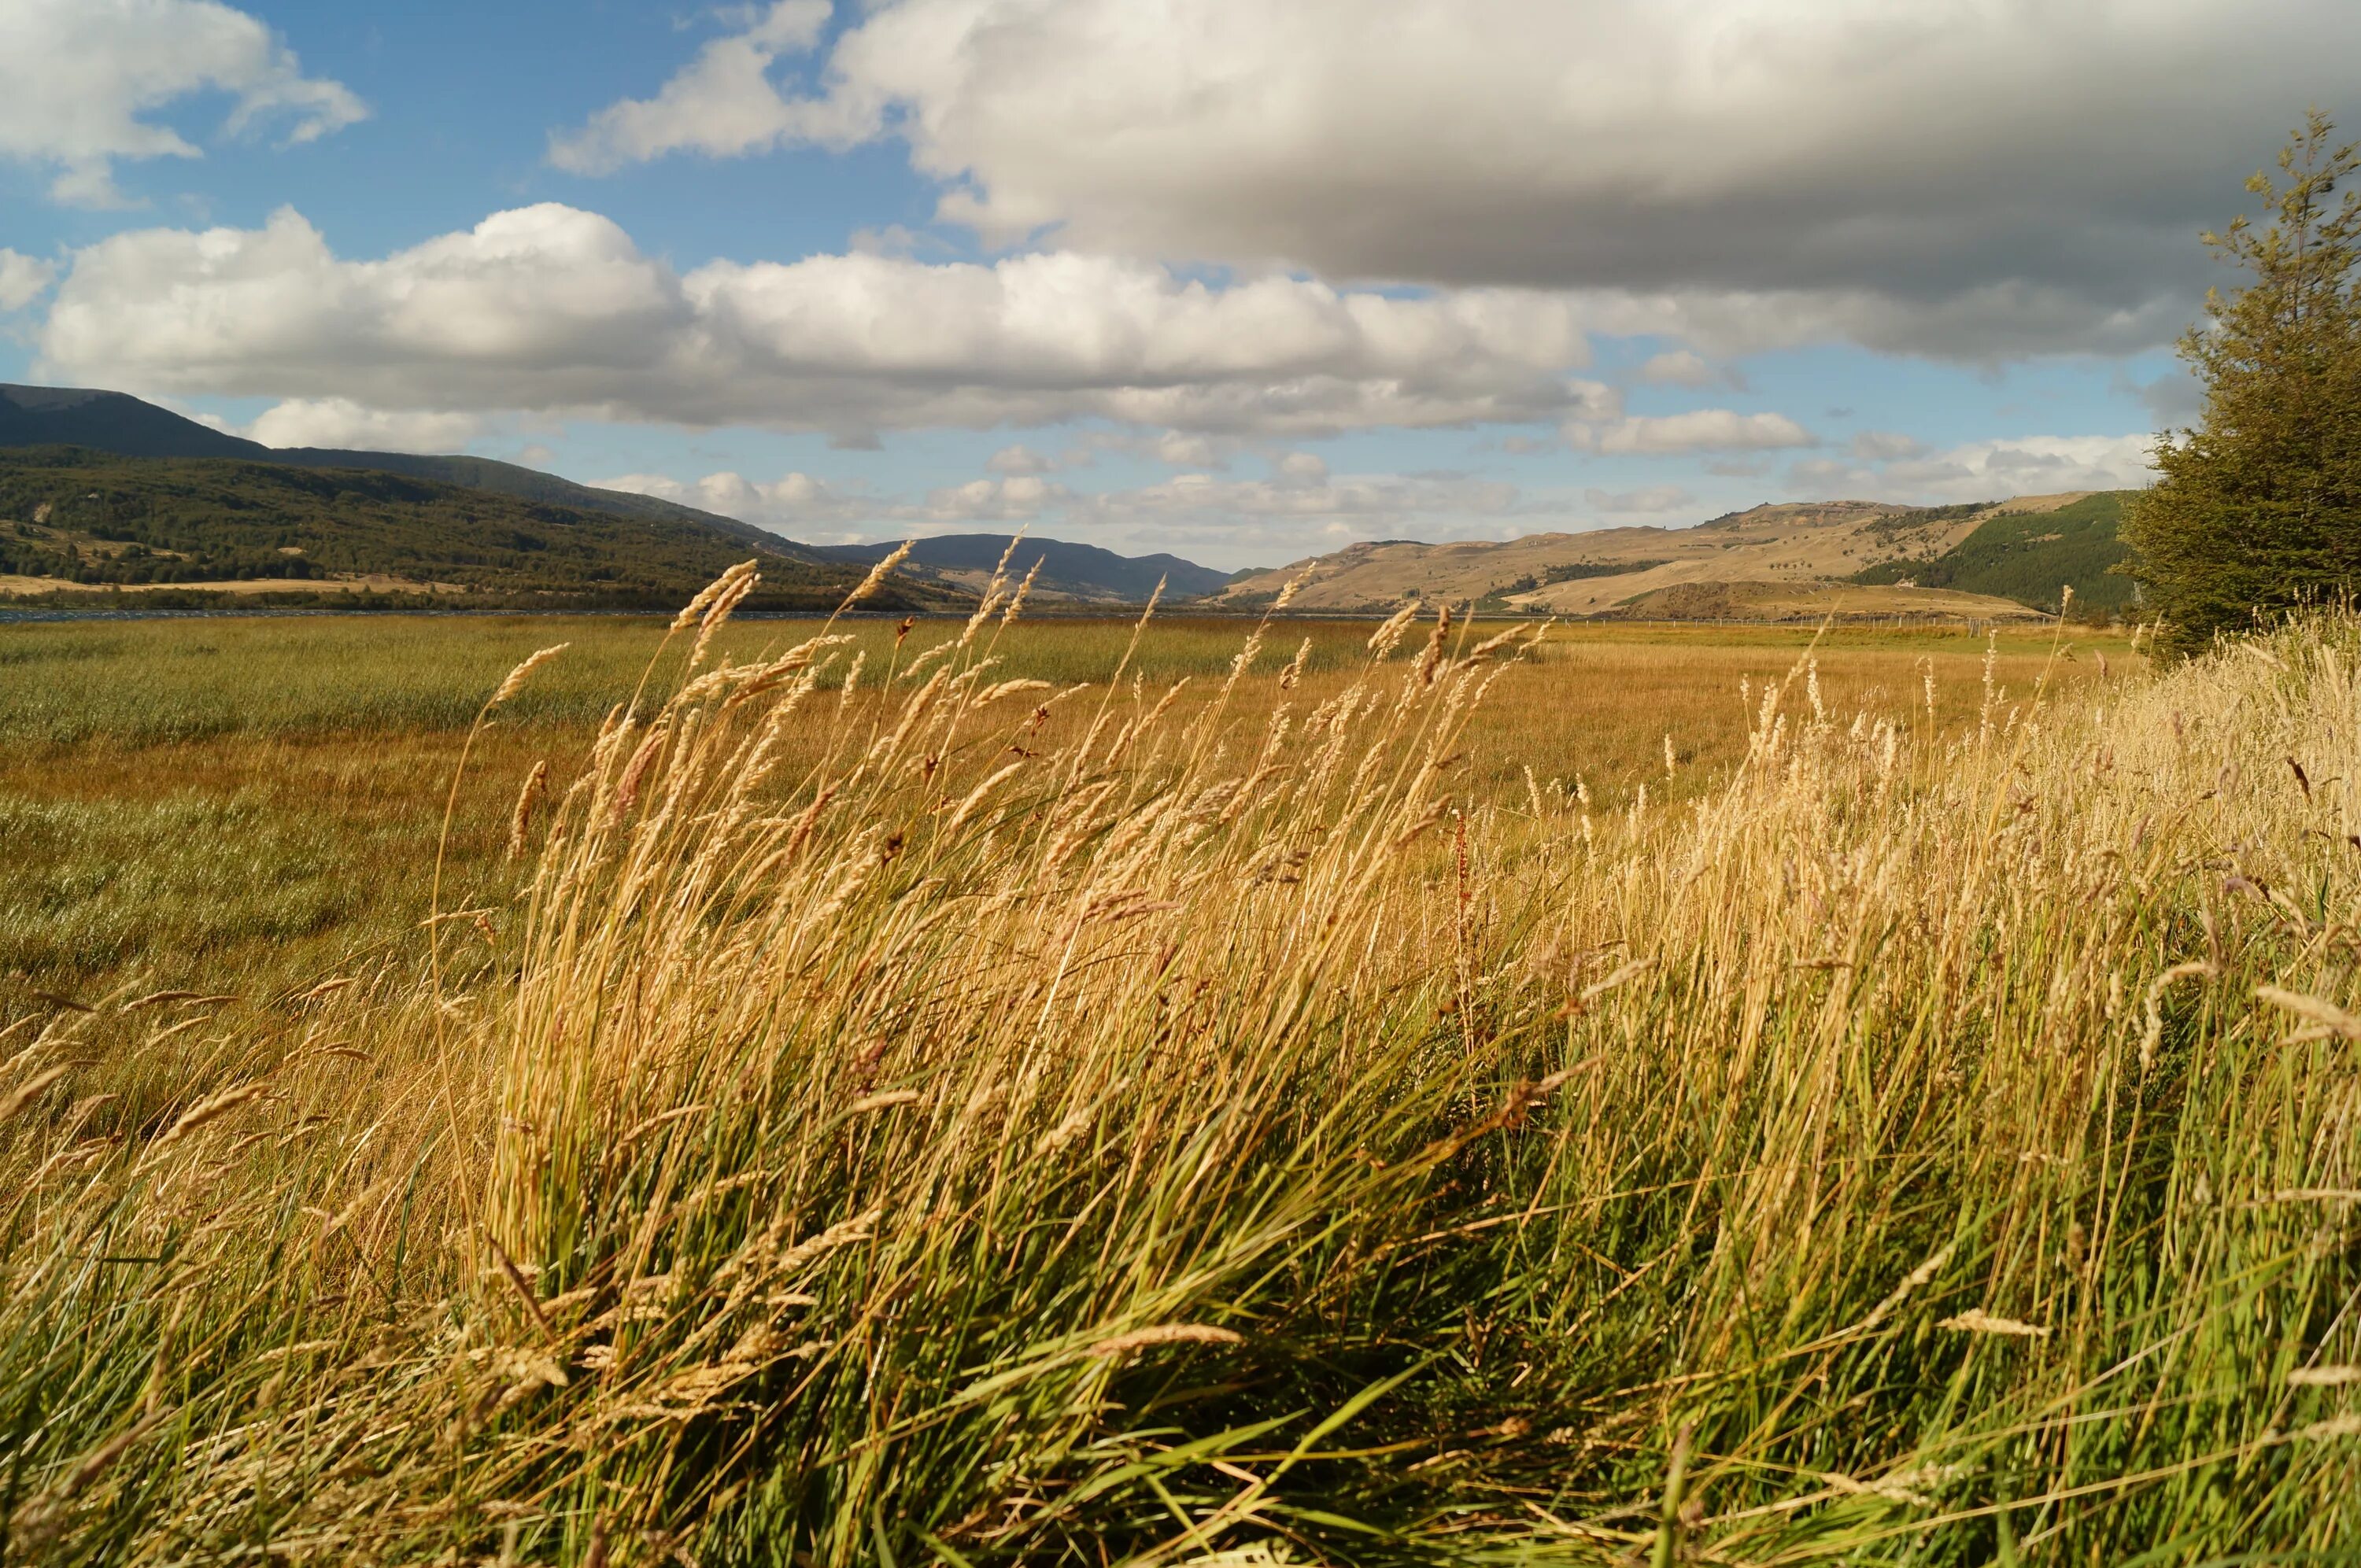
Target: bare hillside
{"x": 1777, "y": 554}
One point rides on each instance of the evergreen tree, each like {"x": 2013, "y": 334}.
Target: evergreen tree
{"x": 2259, "y": 508}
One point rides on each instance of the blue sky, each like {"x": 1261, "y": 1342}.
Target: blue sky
{"x": 1241, "y": 279}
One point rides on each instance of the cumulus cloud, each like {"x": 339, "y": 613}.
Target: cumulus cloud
{"x": 552, "y": 308}
{"x": 1891, "y": 175}
{"x": 1226, "y": 522}
{"x": 1300, "y": 469}
{"x": 1183, "y": 450}
{"x": 1020, "y": 460}
{"x": 1679, "y": 368}
{"x": 2032, "y": 464}
{"x": 723, "y": 104}
{"x": 340, "y": 422}
{"x": 795, "y": 503}
{"x": 1017, "y": 497}
{"x": 1885, "y": 446}
{"x": 1988, "y": 470}
{"x": 1699, "y": 430}
{"x": 1235, "y": 522}
{"x": 1393, "y": 498}
{"x": 1649, "y": 500}
{"x": 23, "y": 278}
{"x": 82, "y": 80}
{"x": 803, "y": 505}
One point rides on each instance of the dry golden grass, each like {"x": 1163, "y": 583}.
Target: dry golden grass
{"x": 989, "y": 1122}
{"x": 244, "y": 806}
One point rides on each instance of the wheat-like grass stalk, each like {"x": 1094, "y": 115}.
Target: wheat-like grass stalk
{"x": 1896, "y": 1113}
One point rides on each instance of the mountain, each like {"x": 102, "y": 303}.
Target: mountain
{"x": 1790, "y": 560}
{"x": 120, "y": 423}
{"x": 1078, "y": 572}
{"x": 73, "y": 517}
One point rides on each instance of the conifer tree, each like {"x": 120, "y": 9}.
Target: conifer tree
{"x": 2259, "y": 508}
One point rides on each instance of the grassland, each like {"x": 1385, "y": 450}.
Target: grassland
{"x": 969, "y": 1121}
{"x": 246, "y": 804}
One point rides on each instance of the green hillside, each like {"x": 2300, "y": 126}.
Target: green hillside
{"x": 77, "y": 517}
{"x": 2028, "y": 556}
{"x": 119, "y": 423}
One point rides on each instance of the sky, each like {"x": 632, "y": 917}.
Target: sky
{"x": 1243, "y": 279}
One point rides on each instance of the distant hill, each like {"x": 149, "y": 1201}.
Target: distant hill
{"x": 120, "y": 423}
{"x": 1082, "y": 572}
{"x": 71, "y": 517}
{"x": 1787, "y": 560}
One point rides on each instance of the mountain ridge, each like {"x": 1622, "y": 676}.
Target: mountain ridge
{"x": 190, "y": 532}
{"x": 121, "y": 426}
{"x": 127, "y": 426}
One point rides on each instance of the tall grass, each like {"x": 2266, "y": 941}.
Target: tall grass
{"x": 1005, "y": 1123}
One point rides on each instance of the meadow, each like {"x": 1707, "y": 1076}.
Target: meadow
{"x": 247, "y": 804}
{"x": 1409, "y": 1094}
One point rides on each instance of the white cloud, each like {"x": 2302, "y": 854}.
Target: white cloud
{"x": 722, "y": 105}
{"x": 1300, "y": 469}
{"x": 1236, "y": 522}
{"x": 1020, "y": 460}
{"x": 1988, "y": 470}
{"x": 1699, "y": 430}
{"x": 550, "y": 308}
{"x": 1223, "y": 521}
{"x": 1651, "y": 500}
{"x": 796, "y": 503}
{"x": 1885, "y": 446}
{"x": 342, "y": 423}
{"x": 1890, "y": 174}
{"x": 2031, "y": 465}
{"x": 801, "y": 504}
{"x": 1679, "y": 368}
{"x": 1351, "y": 497}
{"x": 1183, "y": 450}
{"x": 81, "y": 82}
{"x": 1016, "y": 498}
{"x": 23, "y": 278}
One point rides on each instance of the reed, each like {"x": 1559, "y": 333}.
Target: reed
{"x": 1102, "y": 1127}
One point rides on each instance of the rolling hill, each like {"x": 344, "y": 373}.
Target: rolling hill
{"x": 74, "y": 519}
{"x": 1083, "y": 573}
{"x": 1992, "y": 560}
{"x": 947, "y": 569}
{"x": 127, "y": 426}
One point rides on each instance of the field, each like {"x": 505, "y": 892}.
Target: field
{"x": 249, "y": 803}
{"x": 1608, "y": 1094}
